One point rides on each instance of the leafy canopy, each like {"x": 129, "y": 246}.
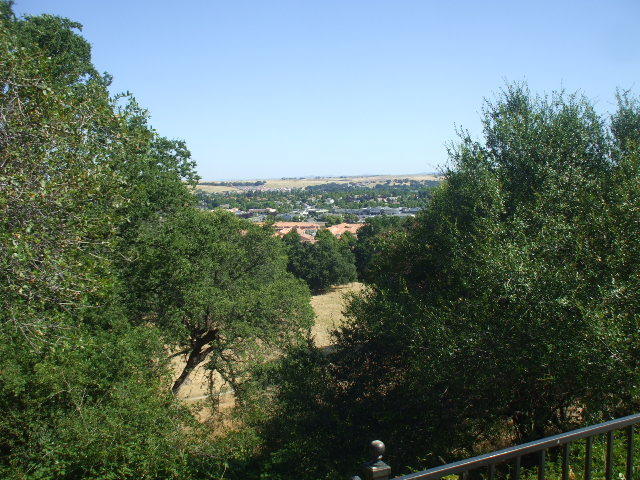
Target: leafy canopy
{"x": 327, "y": 262}
{"x": 508, "y": 310}
{"x": 82, "y": 389}
{"x": 218, "y": 287}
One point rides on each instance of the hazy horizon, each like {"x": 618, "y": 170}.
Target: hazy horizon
{"x": 230, "y": 179}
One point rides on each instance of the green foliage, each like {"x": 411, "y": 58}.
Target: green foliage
{"x": 56, "y": 38}
{"x": 256, "y": 183}
{"x": 373, "y": 237}
{"x": 89, "y": 406}
{"x": 217, "y": 285}
{"x": 507, "y": 308}
{"x": 625, "y": 124}
{"x": 82, "y": 390}
{"x": 351, "y": 218}
{"x": 305, "y": 435}
{"x": 327, "y": 262}
{"x": 330, "y": 219}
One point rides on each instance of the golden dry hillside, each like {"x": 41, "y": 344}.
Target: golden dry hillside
{"x": 293, "y": 183}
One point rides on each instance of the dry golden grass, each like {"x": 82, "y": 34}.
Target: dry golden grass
{"x": 328, "y": 308}
{"x": 196, "y": 387}
{"x": 273, "y": 184}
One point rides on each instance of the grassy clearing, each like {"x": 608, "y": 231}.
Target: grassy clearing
{"x": 216, "y": 188}
{"x": 328, "y": 307}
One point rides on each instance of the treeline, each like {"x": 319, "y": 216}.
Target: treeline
{"x": 507, "y": 310}
{"x": 397, "y": 185}
{"x": 327, "y": 262}
{"x": 237, "y": 183}
{"x": 330, "y": 219}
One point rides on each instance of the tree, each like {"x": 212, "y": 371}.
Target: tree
{"x": 330, "y": 219}
{"x": 82, "y": 390}
{"x": 218, "y": 287}
{"x": 509, "y": 310}
{"x": 351, "y": 218}
{"x": 329, "y": 261}
{"x": 372, "y": 239}
{"x": 298, "y": 253}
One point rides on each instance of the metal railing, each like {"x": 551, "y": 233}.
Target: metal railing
{"x": 377, "y": 469}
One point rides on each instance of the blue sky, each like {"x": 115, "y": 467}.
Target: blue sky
{"x": 273, "y": 88}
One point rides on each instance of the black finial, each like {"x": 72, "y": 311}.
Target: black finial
{"x": 376, "y": 469}
{"x": 377, "y": 449}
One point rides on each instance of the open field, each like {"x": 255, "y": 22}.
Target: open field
{"x": 293, "y": 183}
{"x": 328, "y": 309}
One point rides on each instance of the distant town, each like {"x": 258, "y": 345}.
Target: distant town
{"x": 320, "y": 201}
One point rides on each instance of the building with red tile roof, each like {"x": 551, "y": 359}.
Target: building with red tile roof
{"x": 308, "y": 230}
{"x": 342, "y": 228}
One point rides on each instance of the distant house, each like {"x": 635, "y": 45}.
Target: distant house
{"x": 318, "y": 211}
{"x": 282, "y": 228}
{"x": 412, "y": 210}
{"x": 262, "y": 210}
{"x": 342, "y": 228}
{"x": 308, "y": 230}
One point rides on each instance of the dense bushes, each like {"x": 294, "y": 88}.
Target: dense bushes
{"x": 508, "y": 311}
{"x": 335, "y": 261}
{"x": 82, "y": 391}
{"x": 372, "y": 241}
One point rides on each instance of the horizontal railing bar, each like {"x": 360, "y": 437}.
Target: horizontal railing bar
{"x": 505, "y": 454}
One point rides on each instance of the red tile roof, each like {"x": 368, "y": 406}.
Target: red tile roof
{"x": 282, "y": 228}
{"x": 298, "y": 225}
{"x": 342, "y": 228}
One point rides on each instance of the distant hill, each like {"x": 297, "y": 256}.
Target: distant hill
{"x": 295, "y": 183}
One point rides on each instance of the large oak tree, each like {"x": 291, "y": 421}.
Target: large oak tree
{"x": 218, "y": 286}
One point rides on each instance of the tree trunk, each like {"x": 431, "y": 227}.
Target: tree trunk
{"x": 196, "y": 356}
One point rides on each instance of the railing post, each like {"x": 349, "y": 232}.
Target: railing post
{"x": 375, "y": 469}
